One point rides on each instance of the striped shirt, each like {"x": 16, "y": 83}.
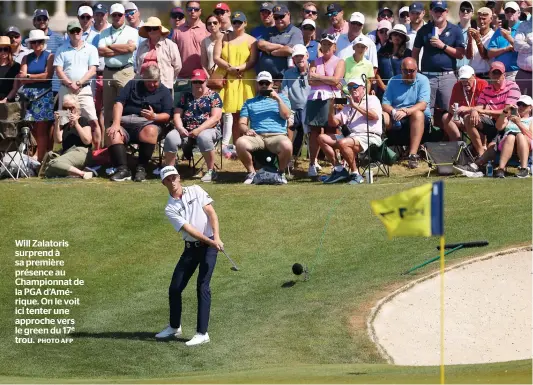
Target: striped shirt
{"x": 496, "y": 100}
{"x": 263, "y": 114}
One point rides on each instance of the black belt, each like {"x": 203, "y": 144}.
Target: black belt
{"x": 194, "y": 244}
{"x": 100, "y": 73}
{"x": 118, "y": 68}
{"x": 83, "y": 85}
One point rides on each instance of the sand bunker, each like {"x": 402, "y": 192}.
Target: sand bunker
{"x": 487, "y": 314}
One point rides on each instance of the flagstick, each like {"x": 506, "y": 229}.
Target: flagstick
{"x": 442, "y": 309}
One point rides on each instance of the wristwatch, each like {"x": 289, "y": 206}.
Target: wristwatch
{"x": 27, "y": 76}
{"x": 445, "y": 46}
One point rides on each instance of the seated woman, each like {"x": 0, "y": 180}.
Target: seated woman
{"x": 75, "y": 135}
{"x": 9, "y": 69}
{"x": 197, "y": 120}
{"x": 515, "y": 133}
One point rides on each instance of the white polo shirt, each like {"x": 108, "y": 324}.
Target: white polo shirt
{"x": 345, "y": 48}
{"x": 189, "y": 209}
{"x": 122, "y": 35}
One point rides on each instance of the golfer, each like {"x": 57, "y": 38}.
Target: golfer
{"x": 190, "y": 211}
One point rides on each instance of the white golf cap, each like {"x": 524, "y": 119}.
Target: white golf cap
{"x": 402, "y": 10}
{"x": 357, "y": 81}
{"x": 526, "y": 99}
{"x": 117, "y": 8}
{"x": 85, "y": 10}
{"x": 264, "y": 75}
{"x": 309, "y": 22}
{"x": 512, "y": 5}
{"x": 465, "y": 72}
{"x": 358, "y": 16}
{"x": 299, "y": 49}
{"x": 167, "y": 171}
{"x": 360, "y": 40}
{"x": 130, "y": 6}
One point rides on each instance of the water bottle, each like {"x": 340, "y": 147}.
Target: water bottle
{"x": 396, "y": 124}
{"x": 489, "y": 169}
{"x": 455, "y": 113}
{"x": 369, "y": 176}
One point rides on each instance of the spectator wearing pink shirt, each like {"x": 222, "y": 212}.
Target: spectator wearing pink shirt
{"x": 338, "y": 25}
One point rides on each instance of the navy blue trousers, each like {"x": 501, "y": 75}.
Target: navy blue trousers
{"x": 205, "y": 257}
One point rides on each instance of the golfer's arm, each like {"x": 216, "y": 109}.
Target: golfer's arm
{"x": 213, "y": 219}
{"x": 189, "y": 229}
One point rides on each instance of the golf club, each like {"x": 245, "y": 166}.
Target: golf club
{"x": 234, "y": 266}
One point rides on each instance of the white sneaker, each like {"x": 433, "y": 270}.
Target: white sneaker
{"x": 169, "y": 332}
{"x": 318, "y": 167}
{"x": 209, "y": 176}
{"x": 198, "y": 339}
{"x": 312, "y": 172}
{"x": 249, "y": 178}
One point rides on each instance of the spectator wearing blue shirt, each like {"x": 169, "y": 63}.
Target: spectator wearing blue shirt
{"x": 263, "y": 122}
{"x": 267, "y": 20}
{"x": 276, "y": 45}
{"x": 443, "y": 44}
{"x": 406, "y": 111}
{"x": 56, "y": 40}
{"x": 466, "y": 11}
{"x": 501, "y": 45}
{"x": 313, "y": 46}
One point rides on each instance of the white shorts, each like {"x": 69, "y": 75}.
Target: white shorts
{"x": 363, "y": 140}
{"x": 85, "y": 99}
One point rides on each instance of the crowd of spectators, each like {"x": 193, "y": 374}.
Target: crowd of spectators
{"x": 114, "y": 79}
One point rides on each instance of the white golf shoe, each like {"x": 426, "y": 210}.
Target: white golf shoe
{"x": 198, "y": 339}
{"x": 169, "y": 332}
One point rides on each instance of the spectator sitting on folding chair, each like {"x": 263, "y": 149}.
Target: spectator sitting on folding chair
{"x": 74, "y": 133}
{"x": 267, "y": 114}
{"x": 353, "y": 120}
{"x": 197, "y": 122}
{"x": 406, "y": 108}
{"x": 464, "y": 95}
{"x": 141, "y": 109}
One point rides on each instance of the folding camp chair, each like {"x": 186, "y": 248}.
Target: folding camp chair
{"x": 441, "y": 156}
{"x": 15, "y": 141}
{"x": 380, "y": 158}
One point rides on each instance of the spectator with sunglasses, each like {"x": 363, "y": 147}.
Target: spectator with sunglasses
{"x": 403, "y": 16}
{"x": 501, "y": 46}
{"x": 310, "y": 12}
{"x": 223, "y": 13}
{"x": 85, "y": 18}
{"x": 384, "y": 14}
{"x": 345, "y": 42}
{"x": 177, "y": 18}
{"x": 9, "y": 69}
{"x": 338, "y": 25}
{"x": 390, "y": 57}
{"x": 133, "y": 18}
{"x": 466, "y": 11}
{"x": 208, "y": 44}
{"x": 478, "y": 43}
{"x": 189, "y": 37}
{"x": 313, "y": 47}
{"x": 267, "y": 20}
{"x": 75, "y": 64}
{"x": 276, "y": 45}
{"x": 157, "y": 50}
{"x": 384, "y": 26}
{"x": 416, "y": 17}
{"x": 18, "y": 50}
{"x": 406, "y": 113}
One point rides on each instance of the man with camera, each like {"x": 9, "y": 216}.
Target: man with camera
{"x": 354, "y": 120}
{"x": 141, "y": 109}
{"x": 263, "y": 121}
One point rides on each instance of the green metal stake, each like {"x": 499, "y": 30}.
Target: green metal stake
{"x": 432, "y": 260}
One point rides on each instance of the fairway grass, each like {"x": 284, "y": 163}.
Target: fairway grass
{"x": 314, "y": 332}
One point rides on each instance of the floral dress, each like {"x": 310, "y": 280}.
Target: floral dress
{"x": 39, "y": 94}
{"x": 197, "y": 111}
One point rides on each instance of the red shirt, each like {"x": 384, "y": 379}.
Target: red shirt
{"x": 458, "y": 96}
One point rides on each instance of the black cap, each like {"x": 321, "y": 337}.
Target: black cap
{"x": 334, "y": 7}
{"x": 280, "y": 10}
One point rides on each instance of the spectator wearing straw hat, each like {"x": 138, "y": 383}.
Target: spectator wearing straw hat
{"x": 75, "y": 64}
{"x": 117, "y": 45}
{"x": 9, "y": 69}
{"x": 18, "y": 51}
{"x": 157, "y": 50}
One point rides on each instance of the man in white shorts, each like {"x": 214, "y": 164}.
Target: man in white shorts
{"x": 75, "y": 63}
{"x": 354, "y": 138}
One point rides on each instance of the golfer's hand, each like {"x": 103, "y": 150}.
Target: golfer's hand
{"x": 217, "y": 244}
{"x": 250, "y": 132}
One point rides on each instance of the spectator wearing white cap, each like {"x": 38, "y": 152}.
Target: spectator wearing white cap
{"x": 88, "y": 33}
{"x": 356, "y": 120}
{"x": 403, "y": 16}
{"x": 308, "y": 28}
{"x": 478, "y": 43}
{"x": 466, "y": 11}
{"x": 416, "y": 17}
{"x": 18, "y": 50}
{"x": 523, "y": 43}
{"x": 310, "y": 12}
{"x": 357, "y": 65}
{"x": 382, "y": 33}
{"x": 345, "y": 42}
{"x": 263, "y": 122}
{"x": 133, "y": 18}
{"x": 75, "y": 64}
{"x": 384, "y": 14}
{"x": 501, "y": 45}
{"x": 117, "y": 45}
{"x": 465, "y": 94}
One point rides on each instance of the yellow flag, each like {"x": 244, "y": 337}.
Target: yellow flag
{"x": 414, "y": 212}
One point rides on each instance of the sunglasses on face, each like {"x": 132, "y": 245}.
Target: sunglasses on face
{"x": 212, "y": 23}
{"x": 354, "y": 87}
{"x": 496, "y": 73}
{"x": 117, "y": 15}
{"x": 264, "y": 83}
{"x": 265, "y": 13}
{"x": 404, "y": 14}
{"x": 193, "y": 9}
{"x": 131, "y": 13}
{"x": 394, "y": 34}
{"x": 197, "y": 82}
{"x": 74, "y": 31}
{"x": 219, "y": 12}
{"x": 41, "y": 19}
{"x": 178, "y": 16}
{"x": 151, "y": 29}
{"x": 5, "y": 49}
{"x": 279, "y": 17}
{"x": 236, "y": 22}
{"x": 309, "y": 12}
{"x": 407, "y": 71}
{"x": 86, "y": 17}
{"x": 37, "y": 42}
{"x": 383, "y": 30}
{"x": 465, "y": 10}
{"x": 356, "y": 23}
{"x": 308, "y": 28}
{"x": 521, "y": 104}
{"x": 331, "y": 14}
{"x": 386, "y": 15}
{"x": 12, "y": 37}
{"x": 510, "y": 10}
